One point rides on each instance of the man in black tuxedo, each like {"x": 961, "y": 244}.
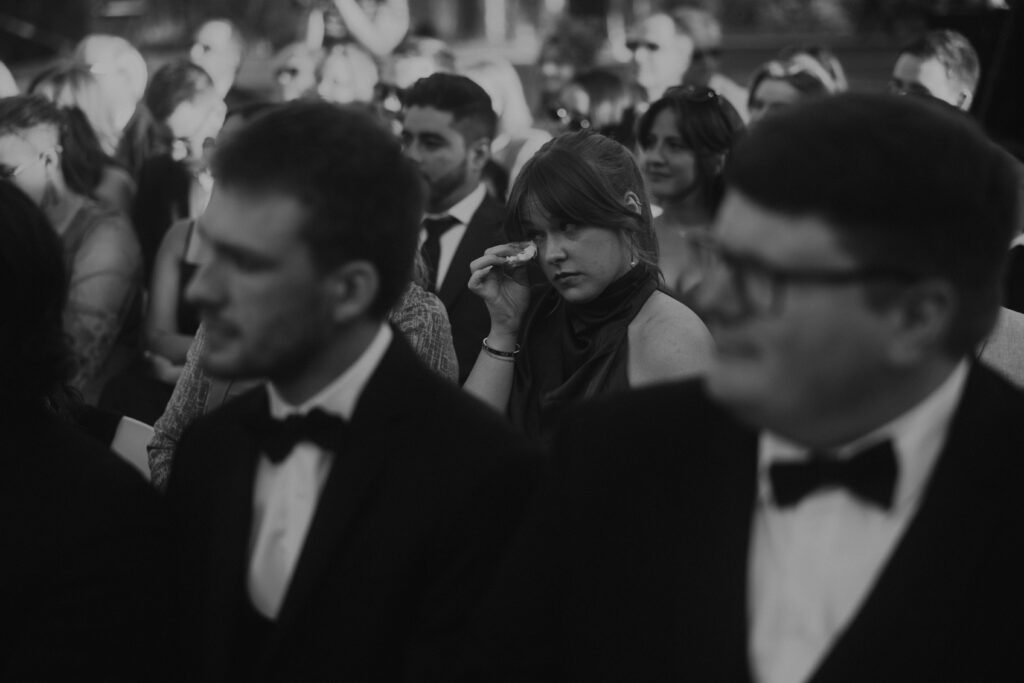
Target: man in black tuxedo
{"x": 448, "y": 128}
{"x": 84, "y": 580}
{"x": 341, "y": 521}
{"x": 838, "y": 500}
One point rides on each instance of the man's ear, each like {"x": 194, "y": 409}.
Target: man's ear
{"x": 352, "y": 288}
{"x": 924, "y": 315}
{"x": 479, "y": 153}
{"x": 964, "y": 100}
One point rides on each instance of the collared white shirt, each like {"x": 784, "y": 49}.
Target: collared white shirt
{"x": 285, "y": 495}
{"x": 200, "y": 189}
{"x": 812, "y": 565}
{"x": 463, "y": 212}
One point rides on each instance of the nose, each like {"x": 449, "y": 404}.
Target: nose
{"x": 553, "y": 250}
{"x": 654, "y": 154}
{"x": 203, "y": 289}
{"x": 412, "y": 150}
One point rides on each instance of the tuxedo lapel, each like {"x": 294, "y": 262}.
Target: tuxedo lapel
{"x": 355, "y": 475}
{"x": 231, "y": 534}
{"x": 908, "y": 615}
{"x": 483, "y": 232}
{"x": 732, "y": 490}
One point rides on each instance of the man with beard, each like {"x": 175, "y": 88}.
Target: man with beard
{"x": 330, "y": 525}
{"x": 449, "y": 125}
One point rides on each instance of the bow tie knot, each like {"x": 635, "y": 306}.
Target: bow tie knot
{"x": 277, "y": 438}
{"x": 869, "y": 474}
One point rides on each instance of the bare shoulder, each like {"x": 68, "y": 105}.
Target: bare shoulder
{"x": 667, "y": 341}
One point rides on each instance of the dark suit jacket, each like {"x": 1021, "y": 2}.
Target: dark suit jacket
{"x": 161, "y": 199}
{"x": 466, "y": 311}
{"x": 636, "y": 567}
{"x": 84, "y": 571}
{"x": 404, "y": 539}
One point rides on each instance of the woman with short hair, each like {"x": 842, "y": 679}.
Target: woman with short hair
{"x": 600, "y": 324}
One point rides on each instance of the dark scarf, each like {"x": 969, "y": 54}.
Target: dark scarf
{"x": 575, "y": 351}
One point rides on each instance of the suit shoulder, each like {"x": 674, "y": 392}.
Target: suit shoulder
{"x": 60, "y": 468}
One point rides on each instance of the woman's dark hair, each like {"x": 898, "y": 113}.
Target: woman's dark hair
{"x": 81, "y": 158}
{"x": 584, "y": 178}
{"x": 37, "y": 357}
{"x": 707, "y": 124}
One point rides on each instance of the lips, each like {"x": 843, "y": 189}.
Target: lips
{"x": 658, "y": 176}
{"x": 564, "y": 277}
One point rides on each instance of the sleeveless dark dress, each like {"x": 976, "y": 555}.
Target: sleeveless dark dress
{"x": 574, "y": 351}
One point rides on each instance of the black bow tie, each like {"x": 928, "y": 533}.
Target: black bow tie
{"x": 277, "y": 438}
{"x": 870, "y": 475}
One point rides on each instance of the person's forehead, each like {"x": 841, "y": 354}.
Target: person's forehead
{"x": 774, "y": 90}
{"x": 793, "y": 240}
{"x": 430, "y": 120}
{"x": 658, "y": 29}
{"x": 338, "y": 65}
{"x": 256, "y": 220}
{"x": 665, "y": 123}
{"x": 215, "y": 34}
{"x": 913, "y": 69}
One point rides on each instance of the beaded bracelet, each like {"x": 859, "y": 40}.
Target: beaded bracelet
{"x": 507, "y": 356}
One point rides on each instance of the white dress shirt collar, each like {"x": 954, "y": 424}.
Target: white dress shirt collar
{"x": 917, "y": 436}
{"x": 340, "y": 396}
{"x": 464, "y": 209}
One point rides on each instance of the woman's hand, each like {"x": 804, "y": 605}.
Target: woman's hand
{"x": 499, "y": 278}
{"x": 162, "y": 368}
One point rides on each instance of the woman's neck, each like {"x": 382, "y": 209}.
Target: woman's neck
{"x": 61, "y": 209}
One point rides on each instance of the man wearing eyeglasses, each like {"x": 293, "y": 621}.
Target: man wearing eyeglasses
{"x": 838, "y": 500}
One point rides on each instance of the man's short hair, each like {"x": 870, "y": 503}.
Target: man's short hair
{"x": 37, "y": 356}
{"x": 905, "y": 184}
{"x": 953, "y": 51}
{"x": 175, "y": 83}
{"x": 363, "y": 198}
{"x": 468, "y": 103}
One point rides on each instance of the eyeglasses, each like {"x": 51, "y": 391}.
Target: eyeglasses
{"x": 760, "y": 286}
{"x": 634, "y": 45}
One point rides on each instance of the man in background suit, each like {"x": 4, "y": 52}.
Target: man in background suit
{"x": 341, "y": 521}
{"x": 448, "y": 129}
{"x": 838, "y": 500}
{"x": 84, "y": 577}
